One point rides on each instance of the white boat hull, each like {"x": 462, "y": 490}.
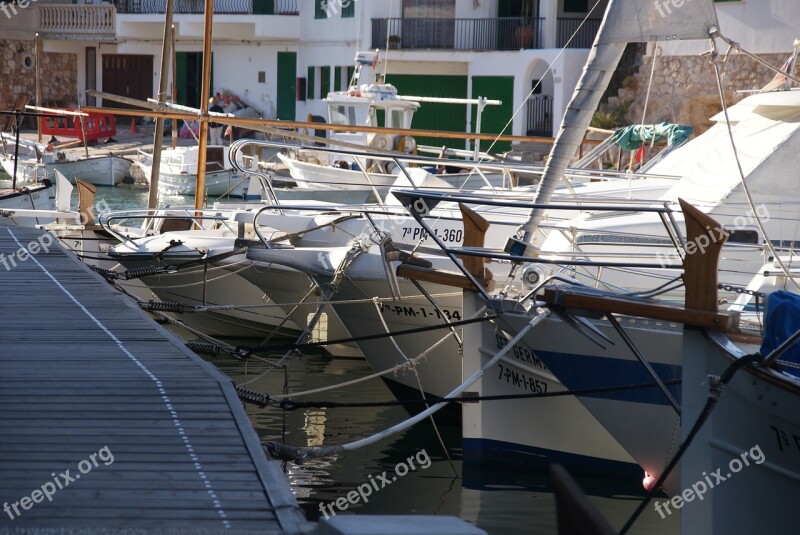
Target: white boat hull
{"x": 752, "y": 436}
{"x": 441, "y": 370}
{"x": 221, "y": 284}
{"x": 308, "y": 174}
{"x": 100, "y": 171}
{"x": 34, "y": 197}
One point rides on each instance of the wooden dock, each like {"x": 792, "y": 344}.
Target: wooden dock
{"x": 87, "y": 378}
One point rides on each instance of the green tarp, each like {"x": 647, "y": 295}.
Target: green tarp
{"x": 633, "y": 137}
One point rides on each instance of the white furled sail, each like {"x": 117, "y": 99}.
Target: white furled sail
{"x": 625, "y": 21}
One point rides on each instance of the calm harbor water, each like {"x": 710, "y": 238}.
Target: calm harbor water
{"x": 499, "y": 502}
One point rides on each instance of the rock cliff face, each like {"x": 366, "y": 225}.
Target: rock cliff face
{"x": 685, "y": 89}
{"x": 59, "y": 75}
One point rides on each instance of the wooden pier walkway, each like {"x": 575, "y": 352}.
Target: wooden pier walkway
{"x": 107, "y": 421}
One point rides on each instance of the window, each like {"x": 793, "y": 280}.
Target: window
{"x": 320, "y": 9}
{"x": 576, "y": 6}
{"x": 348, "y": 8}
{"x": 396, "y": 119}
{"x": 744, "y": 236}
{"x": 310, "y": 86}
{"x": 325, "y": 81}
{"x": 343, "y": 115}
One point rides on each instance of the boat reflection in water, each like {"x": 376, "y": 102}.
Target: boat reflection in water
{"x": 508, "y": 502}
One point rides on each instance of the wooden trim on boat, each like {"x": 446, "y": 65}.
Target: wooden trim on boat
{"x": 439, "y": 276}
{"x": 574, "y": 298}
{"x": 704, "y": 240}
{"x": 475, "y": 227}
{"x": 86, "y": 193}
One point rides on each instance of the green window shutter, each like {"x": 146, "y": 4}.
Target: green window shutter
{"x": 348, "y": 8}
{"x": 319, "y": 9}
{"x": 310, "y": 83}
{"x": 351, "y": 70}
{"x": 325, "y": 82}
{"x": 337, "y": 79}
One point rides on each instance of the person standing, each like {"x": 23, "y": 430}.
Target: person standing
{"x": 215, "y": 129}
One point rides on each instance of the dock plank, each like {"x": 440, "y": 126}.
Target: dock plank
{"x": 83, "y": 369}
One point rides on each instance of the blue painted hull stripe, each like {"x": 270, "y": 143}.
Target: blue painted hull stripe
{"x": 581, "y": 372}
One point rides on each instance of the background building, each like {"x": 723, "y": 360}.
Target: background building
{"x": 283, "y": 56}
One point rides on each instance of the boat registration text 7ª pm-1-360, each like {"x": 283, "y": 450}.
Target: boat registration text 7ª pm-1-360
{"x": 447, "y": 235}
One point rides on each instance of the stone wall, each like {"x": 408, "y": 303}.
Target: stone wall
{"x": 685, "y": 88}
{"x": 59, "y": 75}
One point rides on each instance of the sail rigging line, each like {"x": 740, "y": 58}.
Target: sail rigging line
{"x": 723, "y": 100}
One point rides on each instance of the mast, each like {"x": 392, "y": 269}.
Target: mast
{"x": 158, "y": 140}
{"x": 204, "y": 96}
{"x": 625, "y": 21}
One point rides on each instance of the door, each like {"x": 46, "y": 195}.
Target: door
{"x": 287, "y": 85}
{"x": 189, "y": 71}
{"x": 430, "y": 116}
{"x": 494, "y": 118}
{"x": 127, "y": 75}
{"x": 91, "y": 73}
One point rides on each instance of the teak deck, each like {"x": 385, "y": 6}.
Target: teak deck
{"x": 81, "y": 368}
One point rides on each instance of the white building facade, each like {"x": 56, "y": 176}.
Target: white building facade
{"x": 283, "y": 56}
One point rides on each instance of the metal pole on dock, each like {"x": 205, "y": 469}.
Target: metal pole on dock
{"x": 174, "y": 85}
{"x": 204, "y": 96}
{"x": 38, "y": 60}
{"x": 158, "y": 135}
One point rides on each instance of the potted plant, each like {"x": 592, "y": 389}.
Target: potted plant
{"x": 394, "y": 42}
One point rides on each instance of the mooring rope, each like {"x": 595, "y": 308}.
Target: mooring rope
{"x": 717, "y": 387}
{"x": 291, "y": 405}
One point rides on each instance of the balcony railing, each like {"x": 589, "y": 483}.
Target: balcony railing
{"x": 584, "y": 37}
{"x": 247, "y": 7}
{"x": 507, "y": 33}
{"x": 76, "y": 19}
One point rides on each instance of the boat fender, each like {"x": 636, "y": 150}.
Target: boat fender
{"x": 648, "y": 482}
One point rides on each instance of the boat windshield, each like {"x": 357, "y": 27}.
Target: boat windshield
{"x": 340, "y": 114}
